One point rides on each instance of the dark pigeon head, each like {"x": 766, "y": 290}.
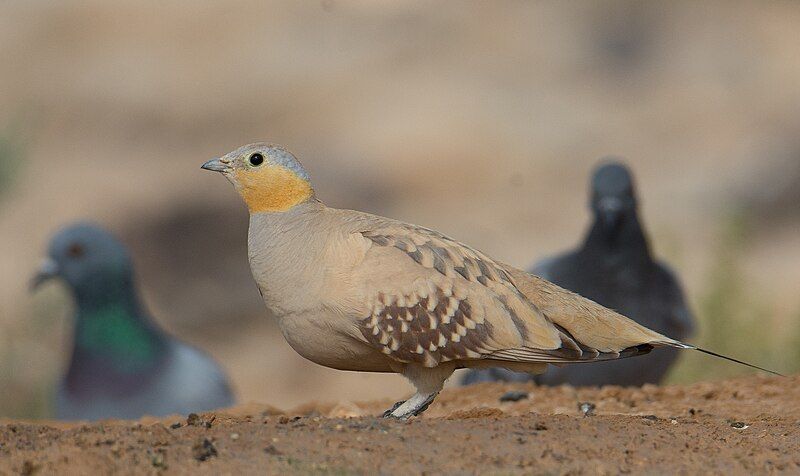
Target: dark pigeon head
{"x": 613, "y": 195}
{"x": 90, "y": 260}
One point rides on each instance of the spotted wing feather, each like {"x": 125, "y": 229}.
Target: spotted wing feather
{"x": 465, "y": 308}
{"x": 427, "y": 329}
{"x": 449, "y": 302}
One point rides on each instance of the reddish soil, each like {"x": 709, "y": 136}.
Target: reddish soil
{"x": 742, "y": 426}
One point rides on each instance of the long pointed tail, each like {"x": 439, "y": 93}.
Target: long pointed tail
{"x": 681, "y": 345}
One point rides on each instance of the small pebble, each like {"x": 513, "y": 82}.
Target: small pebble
{"x": 204, "y": 450}
{"x": 587, "y": 408}
{"x": 157, "y": 460}
{"x": 514, "y": 396}
{"x": 192, "y": 419}
{"x": 271, "y": 450}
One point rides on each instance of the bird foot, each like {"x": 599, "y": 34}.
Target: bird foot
{"x": 388, "y": 413}
{"x": 412, "y": 407}
{"x": 425, "y": 405}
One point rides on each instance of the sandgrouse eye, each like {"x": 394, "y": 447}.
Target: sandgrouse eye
{"x": 75, "y": 251}
{"x": 256, "y": 159}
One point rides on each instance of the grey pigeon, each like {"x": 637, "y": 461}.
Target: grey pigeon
{"x": 615, "y": 268}
{"x": 123, "y": 365}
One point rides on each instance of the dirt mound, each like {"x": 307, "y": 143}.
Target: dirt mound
{"x": 737, "y": 426}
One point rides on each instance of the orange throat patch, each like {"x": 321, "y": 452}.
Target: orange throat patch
{"x": 272, "y": 189}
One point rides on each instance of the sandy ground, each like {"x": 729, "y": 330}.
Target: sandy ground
{"x": 743, "y": 426}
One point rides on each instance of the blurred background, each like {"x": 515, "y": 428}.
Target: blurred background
{"x": 482, "y": 120}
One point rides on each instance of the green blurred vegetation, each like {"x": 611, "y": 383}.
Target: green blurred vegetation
{"x": 735, "y": 318}
{"x": 6, "y": 153}
{"x": 18, "y": 399}
{"x": 21, "y": 398}
{"x": 793, "y": 351}
{"x": 29, "y": 385}
{"x": 10, "y": 161}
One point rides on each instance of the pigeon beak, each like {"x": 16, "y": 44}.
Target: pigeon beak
{"x": 217, "y": 165}
{"x": 47, "y": 270}
{"x": 610, "y": 212}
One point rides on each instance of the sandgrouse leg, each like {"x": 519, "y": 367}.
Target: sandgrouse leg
{"x": 428, "y": 382}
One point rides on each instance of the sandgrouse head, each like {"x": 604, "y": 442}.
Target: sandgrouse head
{"x": 267, "y": 176}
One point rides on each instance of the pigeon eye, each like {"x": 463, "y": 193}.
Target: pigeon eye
{"x": 75, "y": 251}
{"x": 256, "y": 159}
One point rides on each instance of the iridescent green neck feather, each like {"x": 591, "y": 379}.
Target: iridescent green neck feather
{"x": 111, "y": 326}
{"x": 116, "y": 333}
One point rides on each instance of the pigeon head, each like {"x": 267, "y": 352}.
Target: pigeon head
{"x": 612, "y": 197}
{"x": 111, "y": 330}
{"x": 268, "y": 177}
{"x": 91, "y": 261}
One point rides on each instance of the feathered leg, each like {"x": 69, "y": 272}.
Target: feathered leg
{"x": 428, "y": 382}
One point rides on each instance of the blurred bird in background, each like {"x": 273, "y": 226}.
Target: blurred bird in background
{"x": 122, "y": 365}
{"x": 615, "y": 268}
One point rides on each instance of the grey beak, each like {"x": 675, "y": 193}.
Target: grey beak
{"x": 610, "y": 209}
{"x": 216, "y": 165}
{"x": 47, "y": 270}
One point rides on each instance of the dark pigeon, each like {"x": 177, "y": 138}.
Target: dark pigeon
{"x": 123, "y": 365}
{"x": 614, "y": 267}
